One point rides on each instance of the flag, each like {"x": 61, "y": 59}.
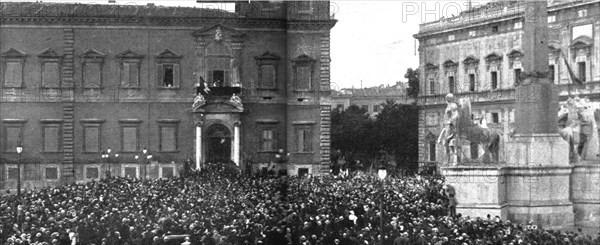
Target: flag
{"x": 203, "y": 86}
{"x": 574, "y": 78}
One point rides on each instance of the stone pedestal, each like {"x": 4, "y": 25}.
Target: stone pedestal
{"x": 585, "y": 194}
{"x": 479, "y": 190}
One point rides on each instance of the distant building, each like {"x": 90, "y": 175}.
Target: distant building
{"x": 478, "y": 55}
{"x": 186, "y": 84}
{"x": 370, "y": 98}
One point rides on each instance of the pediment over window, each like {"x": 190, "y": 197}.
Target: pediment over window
{"x": 220, "y": 106}
{"x": 129, "y": 54}
{"x": 217, "y": 30}
{"x": 581, "y": 42}
{"x": 167, "y": 54}
{"x": 515, "y": 54}
{"x": 430, "y": 66}
{"x": 268, "y": 56}
{"x": 92, "y": 53}
{"x": 471, "y": 60}
{"x": 304, "y": 59}
{"x": 450, "y": 64}
{"x": 553, "y": 47}
{"x": 13, "y": 53}
{"x": 49, "y": 54}
{"x": 430, "y": 136}
{"x": 493, "y": 57}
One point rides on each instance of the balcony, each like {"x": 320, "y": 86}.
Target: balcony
{"x": 222, "y": 91}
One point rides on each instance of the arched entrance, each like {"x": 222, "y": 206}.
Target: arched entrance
{"x": 218, "y": 144}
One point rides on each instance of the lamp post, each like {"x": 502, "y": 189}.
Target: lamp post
{"x": 104, "y": 157}
{"x": 281, "y": 157}
{"x": 136, "y": 160}
{"x": 149, "y": 157}
{"x": 117, "y": 159}
{"x": 108, "y": 158}
{"x": 382, "y": 173}
{"x": 19, "y": 151}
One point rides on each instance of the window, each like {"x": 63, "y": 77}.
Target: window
{"x": 451, "y": 38}
{"x": 130, "y": 172}
{"x": 518, "y": 25}
{"x": 93, "y": 61}
{"x": 432, "y": 151}
{"x": 50, "y": 77}
{"x": 51, "y": 136}
{"x": 551, "y": 71}
{"x": 168, "y": 69}
{"x": 92, "y": 172}
{"x": 517, "y": 76}
{"x": 129, "y": 135}
{"x": 168, "y": 134}
{"x": 365, "y": 108}
{"x": 12, "y": 172}
{"x": 167, "y": 172}
{"x": 13, "y": 134}
{"x": 304, "y": 6}
{"x": 472, "y": 33}
{"x": 12, "y": 68}
{"x": 304, "y": 138}
{"x": 551, "y": 18}
{"x": 92, "y": 139}
{"x": 267, "y": 70}
{"x": 451, "y": 86}
{"x": 431, "y": 86}
{"x": 494, "y": 76}
{"x": 303, "y": 66}
{"x": 472, "y": 82}
{"x": 494, "y": 29}
{"x": 376, "y": 108}
{"x": 51, "y": 173}
{"x": 340, "y": 107}
{"x": 129, "y": 67}
{"x": 495, "y": 117}
{"x": 218, "y": 64}
{"x": 474, "y": 150}
{"x": 581, "y": 69}
{"x": 268, "y": 140}
{"x": 582, "y": 13}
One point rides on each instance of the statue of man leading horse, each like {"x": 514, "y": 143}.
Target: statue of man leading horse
{"x": 459, "y": 125}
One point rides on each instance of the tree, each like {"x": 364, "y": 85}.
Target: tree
{"x": 349, "y": 132}
{"x": 413, "y": 82}
{"x": 396, "y": 127}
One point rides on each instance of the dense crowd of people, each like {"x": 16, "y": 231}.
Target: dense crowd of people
{"x": 217, "y": 206}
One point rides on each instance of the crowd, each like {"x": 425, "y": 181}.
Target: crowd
{"x": 222, "y": 207}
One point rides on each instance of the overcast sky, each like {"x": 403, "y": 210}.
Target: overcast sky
{"x": 372, "y": 41}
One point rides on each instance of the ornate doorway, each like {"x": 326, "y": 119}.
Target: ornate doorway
{"x": 218, "y": 144}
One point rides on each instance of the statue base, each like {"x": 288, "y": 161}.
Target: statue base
{"x": 520, "y": 194}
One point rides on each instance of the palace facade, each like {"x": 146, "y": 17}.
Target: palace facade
{"x": 371, "y": 98}
{"x": 159, "y": 87}
{"x": 478, "y": 55}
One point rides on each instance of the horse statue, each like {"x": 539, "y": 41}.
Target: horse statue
{"x": 487, "y": 138}
{"x": 578, "y": 125}
{"x": 459, "y": 125}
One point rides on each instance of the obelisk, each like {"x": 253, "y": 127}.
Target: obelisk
{"x": 536, "y": 98}
{"x": 537, "y": 174}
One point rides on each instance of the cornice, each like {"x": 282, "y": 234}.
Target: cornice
{"x": 312, "y": 25}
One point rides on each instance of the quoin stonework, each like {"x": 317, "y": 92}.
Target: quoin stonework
{"x": 188, "y": 85}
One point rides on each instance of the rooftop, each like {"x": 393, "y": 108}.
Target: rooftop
{"x": 40, "y": 9}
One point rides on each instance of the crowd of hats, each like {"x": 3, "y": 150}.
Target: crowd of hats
{"x": 217, "y": 207}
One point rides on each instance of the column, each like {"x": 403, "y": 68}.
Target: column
{"x": 236, "y": 144}
{"x": 198, "y": 145}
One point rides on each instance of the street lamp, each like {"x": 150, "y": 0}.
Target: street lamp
{"x": 149, "y": 157}
{"x": 104, "y": 157}
{"x": 19, "y": 151}
{"x": 382, "y": 173}
{"x": 136, "y": 160}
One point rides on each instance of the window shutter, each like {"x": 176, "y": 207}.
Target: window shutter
{"x": 13, "y": 75}
{"x": 134, "y": 76}
{"x": 226, "y": 78}
{"x": 176, "y": 74}
{"x": 125, "y": 75}
{"x": 161, "y": 75}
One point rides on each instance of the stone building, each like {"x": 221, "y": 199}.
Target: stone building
{"x": 478, "y": 55}
{"x": 161, "y": 86}
{"x": 370, "y": 98}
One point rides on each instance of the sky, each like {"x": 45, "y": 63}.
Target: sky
{"x": 372, "y": 43}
